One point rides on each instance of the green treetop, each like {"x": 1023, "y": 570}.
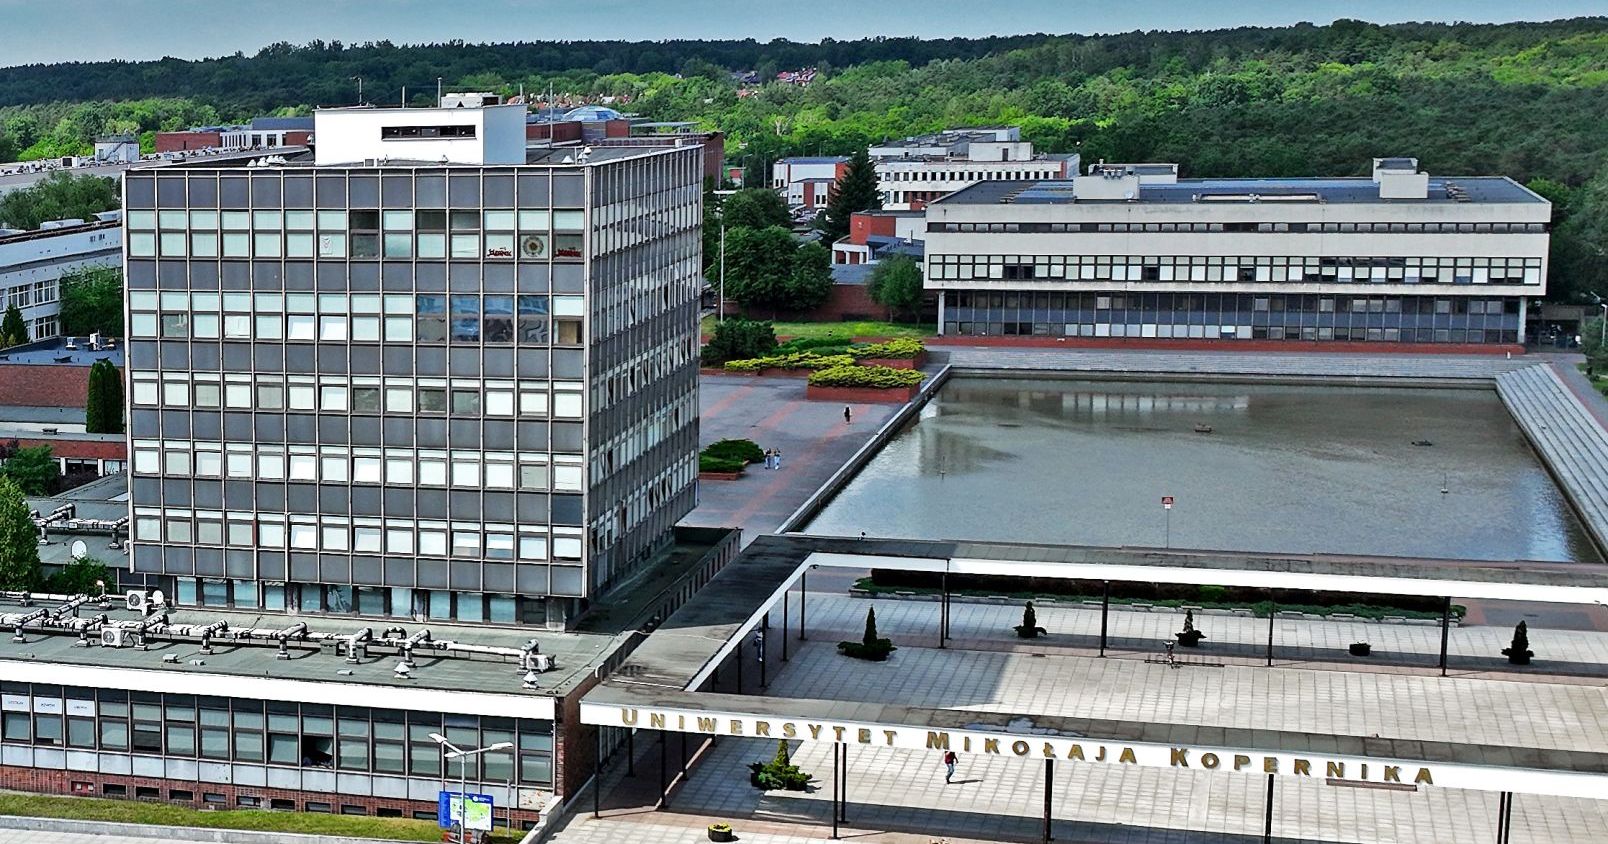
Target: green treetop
{"x": 19, "y": 540}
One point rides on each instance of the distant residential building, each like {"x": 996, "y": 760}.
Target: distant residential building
{"x": 807, "y": 181}
{"x": 874, "y": 233}
{"x": 917, "y": 170}
{"x": 1135, "y": 251}
{"x": 33, "y": 262}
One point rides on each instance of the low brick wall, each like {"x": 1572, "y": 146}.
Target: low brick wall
{"x": 887, "y": 395}
{"x": 719, "y": 476}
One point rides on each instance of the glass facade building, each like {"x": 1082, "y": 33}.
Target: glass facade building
{"x": 412, "y": 390}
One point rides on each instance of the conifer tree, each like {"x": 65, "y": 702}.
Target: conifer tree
{"x": 19, "y": 540}
{"x": 856, "y": 191}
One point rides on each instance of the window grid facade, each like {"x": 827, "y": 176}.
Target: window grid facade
{"x": 299, "y": 336}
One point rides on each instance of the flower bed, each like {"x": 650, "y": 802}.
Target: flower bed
{"x": 873, "y": 377}
{"x": 905, "y": 349}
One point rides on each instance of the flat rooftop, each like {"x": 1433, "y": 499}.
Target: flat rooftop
{"x": 574, "y": 654}
{"x": 56, "y": 352}
{"x": 1360, "y": 191}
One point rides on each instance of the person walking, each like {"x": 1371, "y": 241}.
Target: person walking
{"x": 848, "y": 415}
{"x": 768, "y": 458}
{"x": 949, "y": 766}
{"x": 777, "y": 457}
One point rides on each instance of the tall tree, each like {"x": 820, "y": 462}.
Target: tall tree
{"x": 19, "y": 540}
{"x": 103, "y": 408}
{"x": 91, "y": 301}
{"x": 759, "y": 266}
{"x": 755, "y": 208}
{"x": 13, "y": 331}
{"x": 33, "y": 469}
{"x": 896, "y": 284}
{"x": 810, "y": 282}
{"x": 856, "y": 191}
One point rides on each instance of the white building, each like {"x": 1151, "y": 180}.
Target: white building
{"x": 456, "y": 133}
{"x": 117, "y": 149}
{"x": 807, "y": 181}
{"x": 33, "y": 262}
{"x": 923, "y": 168}
{"x": 1134, "y": 251}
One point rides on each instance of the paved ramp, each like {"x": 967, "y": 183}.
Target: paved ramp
{"x": 1572, "y": 444}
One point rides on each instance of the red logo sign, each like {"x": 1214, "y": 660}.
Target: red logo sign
{"x": 1166, "y": 502}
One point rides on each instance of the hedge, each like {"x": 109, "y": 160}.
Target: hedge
{"x": 866, "y": 376}
{"x": 797, "y": 360}
{"x": 903, "y": 349}
{"x": 712, "y": 463}
{"x": 837, "y": 343}
{"x": 745, "y": 450}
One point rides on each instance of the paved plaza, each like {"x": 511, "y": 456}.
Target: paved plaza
{"x": 899, "y": 797}
{"x": 773, "y": 412}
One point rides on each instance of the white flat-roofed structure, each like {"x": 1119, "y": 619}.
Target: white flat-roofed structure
{"x": 1132, "y": 251}
{"x": 479, "y": 132}
{"x": 33, "y": 262}
{"x": 923, "y": 168}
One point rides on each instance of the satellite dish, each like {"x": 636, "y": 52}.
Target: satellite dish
{"x": 157, "y": 597}
{"x": 80, "y": 549}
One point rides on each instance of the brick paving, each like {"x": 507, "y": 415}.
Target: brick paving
{"x": 774, "y": 413}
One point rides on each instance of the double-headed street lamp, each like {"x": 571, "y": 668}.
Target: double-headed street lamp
{"x": 452, "y": 751}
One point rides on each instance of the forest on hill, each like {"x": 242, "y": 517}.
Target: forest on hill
{"x": 1526, "y": 100}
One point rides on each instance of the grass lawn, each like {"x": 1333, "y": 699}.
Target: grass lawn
{"x": 1597, "y": 381}
{"x": 166, "y": 814}
{"x": 846, "y": 330}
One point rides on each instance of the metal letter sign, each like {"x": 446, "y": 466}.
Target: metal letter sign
{"x": 1166, "y": 502}
{"x": 475, "y": 809}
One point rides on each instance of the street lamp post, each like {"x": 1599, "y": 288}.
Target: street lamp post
{"x": 720, "y": 306}
{"x": 452, "y": 751}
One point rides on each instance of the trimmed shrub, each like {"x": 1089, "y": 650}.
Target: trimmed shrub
{"x": 779, "y": 774}
{"x": 1029, "y": 628}
{"x": 903, "y": 349}
{"x": 879, "y": 377}
{"x": 797, "y": 360}
{"x": 745, "y": 450}
{"x": 1189, "y": 637}
{"x": 1519, "y": 652}
{"x": 871, "y": 647}
{"x": 711, "y": 463}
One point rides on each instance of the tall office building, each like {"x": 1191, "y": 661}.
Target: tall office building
{"x": 421, "y": 371}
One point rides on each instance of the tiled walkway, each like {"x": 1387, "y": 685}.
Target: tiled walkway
{"x": 899, "y": 797}
{"x": 773, "y": 412}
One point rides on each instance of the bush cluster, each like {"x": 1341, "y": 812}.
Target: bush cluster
{"x": 710, "y": 463}
{"x": 796, "y": 360}
{"x": 734, "y": 339}
{"x": 745, "y": 450}
{"x": 902, "y": 349}
{"x": 779, "y": 774}
{"x": 866, "y": 376}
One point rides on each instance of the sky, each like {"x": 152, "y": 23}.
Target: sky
{"x": 68, "y": 30}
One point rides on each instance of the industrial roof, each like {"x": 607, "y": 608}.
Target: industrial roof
{"x": 282, "y": 124}
{"x": 1477, "y": 189}
{"x": 815, "y": 159}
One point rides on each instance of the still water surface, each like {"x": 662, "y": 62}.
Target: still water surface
{"x": 1284, "y": 469}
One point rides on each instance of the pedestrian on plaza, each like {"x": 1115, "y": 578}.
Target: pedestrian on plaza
{"x": 777, "y": 456}
{"x": 768, "y": 458}
{"x": 848, "y": 415}
{"x": 949, "y": 766}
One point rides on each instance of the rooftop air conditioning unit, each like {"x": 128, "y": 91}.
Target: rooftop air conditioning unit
{"x": 135, "y": 600}
{"x": 542, "y": 662}
{"x": 116, "y": 637}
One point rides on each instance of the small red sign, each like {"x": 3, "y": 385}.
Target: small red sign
{"x": 1166, "y": 502}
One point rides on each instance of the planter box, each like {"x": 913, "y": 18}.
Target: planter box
{"x": 891, "y": 395}
{"x": 719, "y": 476}
{"x": 774, "y": 372}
